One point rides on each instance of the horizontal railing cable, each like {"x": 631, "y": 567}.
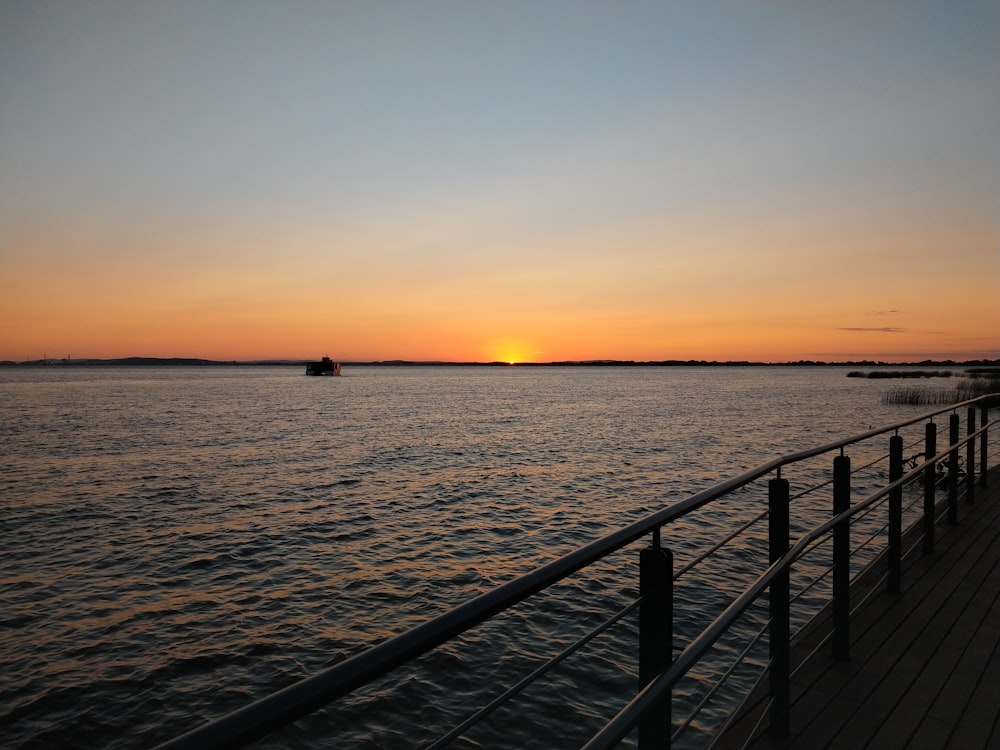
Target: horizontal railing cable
{"x": 732, "y": 717}
{"x": 706, "y": 699}
{"x": 716, "y": 547}
{"x": 756, "y": 727}
{"x": 917, "y": 542}
{"x": 810, "y": 490}
{"x": 816, "y": 580}
{"x": 872, "y": 591}
{"x": 873, "y": 462}
{"x": 542, "y": 669}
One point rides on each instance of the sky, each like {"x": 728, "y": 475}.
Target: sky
{"x": 500, "y": 181}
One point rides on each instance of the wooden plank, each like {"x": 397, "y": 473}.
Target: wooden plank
{"x": 925, "y": 664}
{"x": 978, "y": 727}
{"x": 923, "y": 649}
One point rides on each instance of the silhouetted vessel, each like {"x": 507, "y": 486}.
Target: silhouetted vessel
{"x": 325, "y": 366}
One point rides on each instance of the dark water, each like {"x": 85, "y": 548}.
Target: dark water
{"x": 179, "y": 541}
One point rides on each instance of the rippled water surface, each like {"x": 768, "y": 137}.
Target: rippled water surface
{"x": 179, "y": 541}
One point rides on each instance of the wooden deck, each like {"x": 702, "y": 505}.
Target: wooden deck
{"x": 924, "y": 670}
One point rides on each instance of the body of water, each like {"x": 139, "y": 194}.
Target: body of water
{"x": 179, "y": 541}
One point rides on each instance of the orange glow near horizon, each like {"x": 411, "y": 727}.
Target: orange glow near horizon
{"x": 76, "y": 327}
{"x": 787, "y": 310}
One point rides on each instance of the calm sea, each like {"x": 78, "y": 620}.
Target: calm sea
{"x": 179, "y": 541}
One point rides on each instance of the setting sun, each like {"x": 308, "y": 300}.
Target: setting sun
{"x": 512, "y": 351}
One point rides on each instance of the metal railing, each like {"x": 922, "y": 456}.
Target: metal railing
{"x": 660, "y": 666}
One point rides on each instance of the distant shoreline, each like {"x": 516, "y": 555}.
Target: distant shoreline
{"x": 194, "y": 362}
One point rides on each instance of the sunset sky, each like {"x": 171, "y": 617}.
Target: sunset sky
{"x": 478, "y": 181}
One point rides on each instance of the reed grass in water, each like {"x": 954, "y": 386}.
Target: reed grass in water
{"x": 919, "y": 396}
{"x": 976, "y": 383}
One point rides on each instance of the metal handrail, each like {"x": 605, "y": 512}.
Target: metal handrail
{"x": 284, "y": 706}
{"x": 629, "y": 716}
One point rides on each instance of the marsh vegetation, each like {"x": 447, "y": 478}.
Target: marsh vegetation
{"x": 972, "y": 383}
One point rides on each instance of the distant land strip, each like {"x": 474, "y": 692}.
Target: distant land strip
{"x": 194, "y": 362}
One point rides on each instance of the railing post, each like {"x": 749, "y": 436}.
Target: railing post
{"x": 953, "y": 468}
{"x": 656, "y": 638}
{"x": 970, "y": 456}
{"x": 779, "y": 722}
{"x": 842, "y": 560}
{"x": 984, "y": 417}
{"x": 930, "y": 479}
{"x": 895, "y": 514}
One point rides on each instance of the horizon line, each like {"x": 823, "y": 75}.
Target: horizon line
{"x": 282, "y": 361}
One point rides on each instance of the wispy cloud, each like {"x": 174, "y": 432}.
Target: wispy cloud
{"x": 885, "y": 312}
{"x": 883, "y": 329}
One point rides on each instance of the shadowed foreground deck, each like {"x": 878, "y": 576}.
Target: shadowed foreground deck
{"x": 925, "y": 664}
